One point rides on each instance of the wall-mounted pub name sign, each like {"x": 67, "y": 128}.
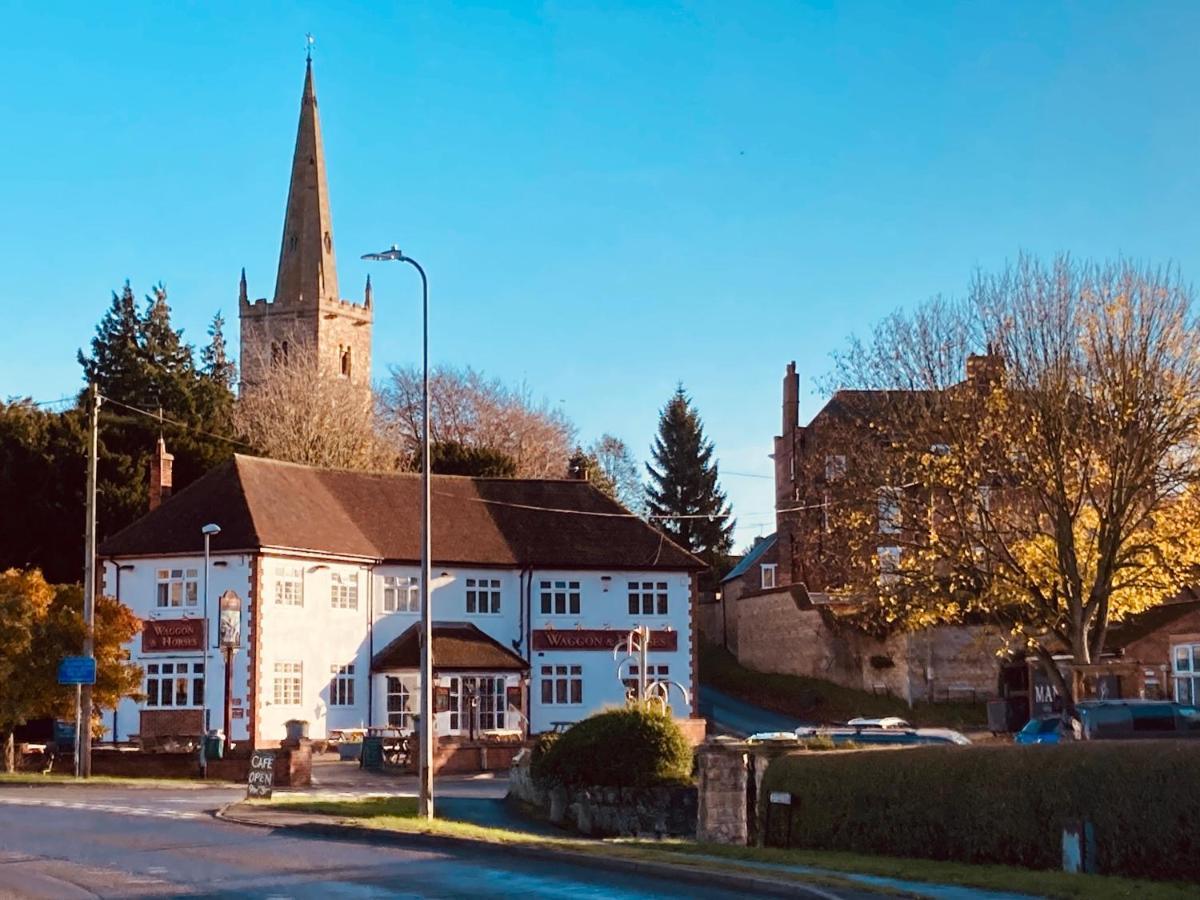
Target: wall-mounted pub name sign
{"x": 170, "y": 635}
{"x": 605, "y": 639}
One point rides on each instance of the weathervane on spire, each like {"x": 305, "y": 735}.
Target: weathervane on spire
{"x": 309, "y": 40}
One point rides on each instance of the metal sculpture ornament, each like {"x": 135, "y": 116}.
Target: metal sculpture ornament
{"x": 653, "y": 693}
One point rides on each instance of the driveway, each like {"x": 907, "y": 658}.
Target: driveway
{"x": 729, "y": 715}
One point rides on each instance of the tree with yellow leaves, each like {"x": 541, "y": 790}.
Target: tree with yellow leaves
{"x": 42, "y": 624}
{"x": 1055, "y": 489}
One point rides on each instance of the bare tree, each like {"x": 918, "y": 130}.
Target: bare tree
{"x": 1053, "y": 490}
{"x": 473, "y": 411}
{"x": 616, "y": 461}
{"x": 293, "y": 413}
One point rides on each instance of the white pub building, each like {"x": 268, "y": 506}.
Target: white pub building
{"x": 535, "y": 582}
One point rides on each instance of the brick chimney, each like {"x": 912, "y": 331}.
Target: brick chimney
{"x": 160, "y": 474}
{"x": 791, "y": 399}
{"x": 985, "y": 369}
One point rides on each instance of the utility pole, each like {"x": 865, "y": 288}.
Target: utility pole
{"x": 83, "y": 728}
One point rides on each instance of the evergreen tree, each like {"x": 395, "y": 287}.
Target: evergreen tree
{"x": 117, "y": 365}
{"x": 215, "y": 363}
{"x": 683, "y": 485}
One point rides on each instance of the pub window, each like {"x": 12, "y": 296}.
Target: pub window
{"x": 647, "y": 598}
{"x": 289, "y": 586}
{"x": 399, "y": 704}
{"x": 343, "y": 591}
{"x": 288, "y": 684}
{"x": 483, "y": 596}
{"x": 562, "y": 685}
{"x": 401, "y": 594}
{"x": 653, "y": 673}
{"x": 174, "y": 684}
{"x": 341, "y": 686}
{"x": 177, "y": 587}
{"x": 560, "y": 598}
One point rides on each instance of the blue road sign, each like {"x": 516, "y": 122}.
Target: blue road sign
{"x": 77, "y": 670}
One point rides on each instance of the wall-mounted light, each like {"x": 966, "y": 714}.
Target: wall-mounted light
{"x": 319, "y": 567}
{"x": 605, "y": 582}
{"x": 220, "y": 563}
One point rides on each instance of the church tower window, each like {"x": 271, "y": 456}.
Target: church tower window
{"x": 346, "y": 362}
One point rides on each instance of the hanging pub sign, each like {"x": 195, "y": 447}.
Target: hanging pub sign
{"x": 441, "y": 699}
{"x": 230, "y": 628}
{"x": 170, "y": 635}
{"x": 605, "y": 639}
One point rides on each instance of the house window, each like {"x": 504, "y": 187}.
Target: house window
{"x": 653, "y": 673}
{"x": 343, "y": 591}
{"x": 289, "y": 586}
{"x": 483, "y": 596}
{"x": 889, "y": 565}
{"x": 175, "y": 684}
{"x": 835, "y": 467}
{"x": 768, "y": 575}
{"x": 401, "y": 593}
{"x": 560, "y": 598}
{"x": 1185, "y": 668}
{"x": 562, "y": 685}
{"x": 647, "y": 598}
{"x": 890, "y": 515}
{"x": 288, "y": 683}
{"x": 341, "y": 686}
{"x": 178, "y": 587}
{"x": 399, "y": 704}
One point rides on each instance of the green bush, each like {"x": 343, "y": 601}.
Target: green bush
{"x": 1002, "y": 804}
{"x": 537, "y": 755}
{"x": 633, "y": 747}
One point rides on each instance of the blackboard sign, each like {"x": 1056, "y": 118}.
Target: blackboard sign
{"x": 262, "y": 774}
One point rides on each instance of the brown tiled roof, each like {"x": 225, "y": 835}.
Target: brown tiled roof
{"x": 457, "y": 646}
{"x": 1149, "y": 621}
{"x": 263, "y": 503}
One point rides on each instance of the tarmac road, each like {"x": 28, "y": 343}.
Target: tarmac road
{"x": 73, "y": 842}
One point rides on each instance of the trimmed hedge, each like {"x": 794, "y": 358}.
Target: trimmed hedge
{"x": 1003, "y": 804}
{"x": 626, "y": 748}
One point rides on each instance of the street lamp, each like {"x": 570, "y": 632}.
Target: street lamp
{"x": 425, "y": 803}
{"x": 208, "y": 531}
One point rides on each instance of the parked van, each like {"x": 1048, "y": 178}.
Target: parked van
{"x": 1106, "y": 720}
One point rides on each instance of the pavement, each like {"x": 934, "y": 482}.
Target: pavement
{"x": 729, "y": 715}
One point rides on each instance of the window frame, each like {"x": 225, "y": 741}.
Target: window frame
{"x": 286, "y": 575}
{"x": 486, "y": 590}
{"x": 562, "y": 679}
{"x": 658, "y": 594}
{"x": 188, "y": 581}
{"x": 283, "y": 691}
{"x": 571, "y": 593}
{"x": 341, "y": 685}
{"x": 343, "y": 590}
{"x": 164, "y": 678}
{"x": 766, "y": 569}
{"x": 406, "y": 586}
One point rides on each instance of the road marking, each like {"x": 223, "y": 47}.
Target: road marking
{"x": 157, "y": 813}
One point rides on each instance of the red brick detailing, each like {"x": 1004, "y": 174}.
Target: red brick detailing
{"x": 170, "y": 722}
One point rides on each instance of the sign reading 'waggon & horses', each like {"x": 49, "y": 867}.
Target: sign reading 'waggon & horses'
{"x": 166, "y": 635}
{"x": 605, "y": 639}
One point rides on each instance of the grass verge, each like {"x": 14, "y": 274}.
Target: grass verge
{"x": 400, "y": 814}
{"x": 37, "y": 778}
{"x": 812, "y": 699}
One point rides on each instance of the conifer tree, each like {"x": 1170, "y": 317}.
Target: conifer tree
{"x": 117, "y": 365}
{"x": 684, "y": 486}
{"x": 215, "y": 363}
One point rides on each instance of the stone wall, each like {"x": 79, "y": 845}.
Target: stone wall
{"x": 721, "y": 813}
{"x": 667, "y": 811}
{"x": 775, "y": 635}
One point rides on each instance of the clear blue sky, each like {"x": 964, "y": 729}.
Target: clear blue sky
{"x": 609, "y": 199}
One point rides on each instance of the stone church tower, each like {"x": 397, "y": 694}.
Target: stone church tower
{"x": 307, "y": 323}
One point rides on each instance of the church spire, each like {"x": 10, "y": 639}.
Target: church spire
{"x": 307, "y": 269}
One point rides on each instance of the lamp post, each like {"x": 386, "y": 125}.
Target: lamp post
{"x": 425, "y": 803}
{"x": 208, "y": 531}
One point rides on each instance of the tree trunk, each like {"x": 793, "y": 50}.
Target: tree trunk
{"x": 10, "y": 755}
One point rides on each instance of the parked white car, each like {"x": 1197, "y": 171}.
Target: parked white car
{"x": 885, "y": 722}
